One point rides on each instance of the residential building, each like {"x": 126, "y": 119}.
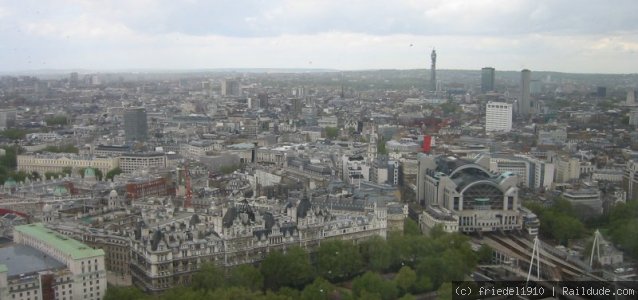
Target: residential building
{"x": 567, "y": 169}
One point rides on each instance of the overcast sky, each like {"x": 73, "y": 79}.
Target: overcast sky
{"x": 569, "y": 36}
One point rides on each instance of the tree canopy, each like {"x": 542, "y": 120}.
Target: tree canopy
{"x": 422, "y": 264}
{"x": 56, "y": 120}
{"x": 338, "y": 260}
{"x": 291, "y": 269}
{"x": 623, "y": 227}
{"x": 374, "y": 284}
{"x": 332, "y": 132}
{"x": 68, "y": 148}
{"x": 559, "y": 221}
{"x": 113, "y": 172}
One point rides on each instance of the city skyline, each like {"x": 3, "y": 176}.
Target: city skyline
{"x": 514, "y": 35}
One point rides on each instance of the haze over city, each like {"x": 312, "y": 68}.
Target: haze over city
{"x": 564, "y": 36}
{"x": 284, "y": 150}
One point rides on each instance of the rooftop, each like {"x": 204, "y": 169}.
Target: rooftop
{"x": 241, "y": 146}
{"x": 22, "y": 259}
{"x": 76, "y": 249}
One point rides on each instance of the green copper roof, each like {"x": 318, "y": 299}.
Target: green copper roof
{"x": 3, "y": 268}
{"x": 76, "y": 249}
{"x": 10, "y": 183}
{"x": 60, "y": 191}
{"x": 89, "y": 172}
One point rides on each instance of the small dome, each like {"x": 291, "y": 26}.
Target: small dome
{"x": 47, "y": 208}
{"x": 89, "y": 173}
{"x": 9, "y": 183}
{"x": 60, "y": 191}
{"x": 113, "y": 194}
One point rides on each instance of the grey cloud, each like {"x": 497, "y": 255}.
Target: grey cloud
{"x": 268, "y": 18}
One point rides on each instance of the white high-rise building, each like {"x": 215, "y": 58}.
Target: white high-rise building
{"x": 498, "y": 117}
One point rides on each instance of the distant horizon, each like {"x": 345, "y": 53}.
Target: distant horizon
{"x": 65, "y": 71}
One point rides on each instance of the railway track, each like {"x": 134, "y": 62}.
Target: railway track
{"x": 523, "y": 250}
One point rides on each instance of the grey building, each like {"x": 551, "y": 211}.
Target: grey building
{"x": 7, "y": 118}
{"x": 488, "y": 75}
{"x": 482, "y": 200}
{"x": 135, "y": 124}
{"x": 525, "y": 105}
{"x": 230, "y": 87}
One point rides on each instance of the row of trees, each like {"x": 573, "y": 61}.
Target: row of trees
{"x": 400, "y": 266}
{"x": 56, "y": 120}
{"x": 622, "y": 227}
{"x": 14, "y": 133}
{"x": 8, "y": 163}
{"x": 61, "y": 149}
{"x": 559, "y": 222}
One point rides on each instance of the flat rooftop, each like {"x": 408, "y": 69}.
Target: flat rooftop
{"x": 76, "y": 249}
{"x": 22, "y": 259}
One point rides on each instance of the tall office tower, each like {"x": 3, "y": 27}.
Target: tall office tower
{"x": 74, "y": 78}
{"x": 95, "y": 80}
{"x": 488, "y": 75}
{"x": 631, "y": 97}
{"x": 263, "y": 100}
{"x": 230, "y": 87}
{"x": 207, "y": 88}
{"x": 433, "y": 72}
{"x": 524, "y": 102}
{"x": 498, "y": 117}
{"x": 535, "y": 87}
{"x": 297, "y": 106}
{"x": 601, "y": 92}
{"x": 7, "y": 118}
{"x": 135, "y": 124}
